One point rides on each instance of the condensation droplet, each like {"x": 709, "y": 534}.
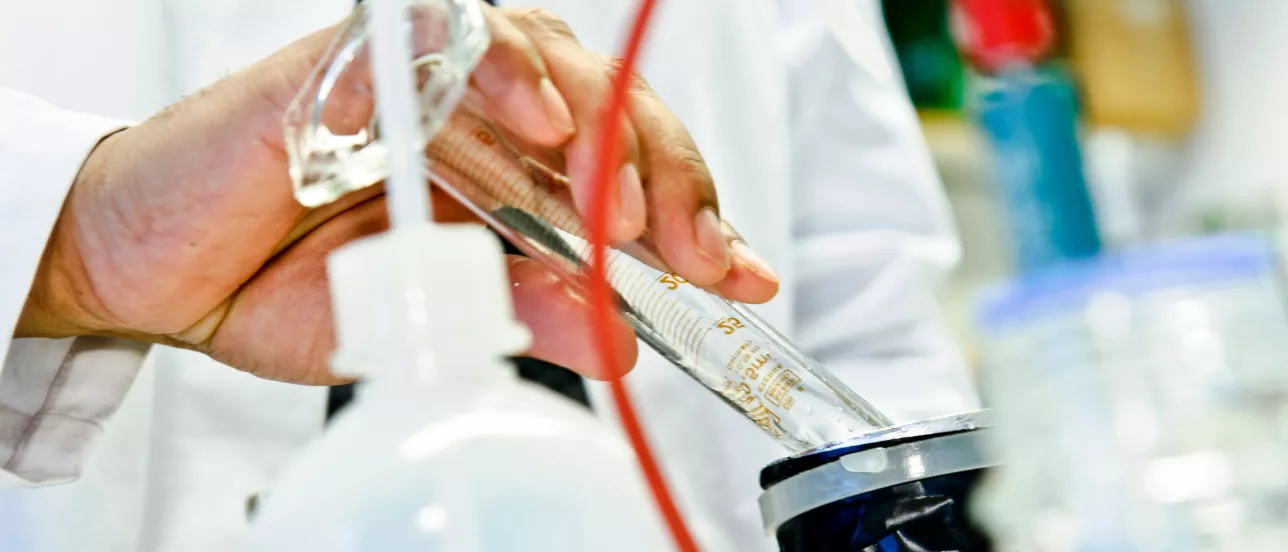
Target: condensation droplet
{"x": 809, "y": 409}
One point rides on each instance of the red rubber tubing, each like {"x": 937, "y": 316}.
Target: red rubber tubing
{"x": 603, "y": 304}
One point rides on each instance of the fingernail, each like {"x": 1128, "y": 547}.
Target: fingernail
{"x": 753, "y": 261}
{"x": 711, "y": 242}
{"x": 631, "y": 198}
{"x": 556, "y": 108}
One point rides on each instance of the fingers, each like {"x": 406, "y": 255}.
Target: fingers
{"x": 561, "y": 322}
{"x": 683, "y": 216}
{"x": 289, "y": 300}
{"x": 444, "y": 207}
{"x": 663, "y": 183}
{"x": 750, "y": 279}
{"x": 513, "y": 81}
{"x": 684, "y": 223}
{"x": 683, "y": 219}
{"x": 585, "y": 81}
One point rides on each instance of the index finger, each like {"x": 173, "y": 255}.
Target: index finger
{"x": 684, "y": 219}
{"x": 515, "y": 85}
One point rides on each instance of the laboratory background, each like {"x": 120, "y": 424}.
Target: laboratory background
{"x": 1170, "y": 106}
{"x": 1116, "y": 173}
{"x": 1034, "y": 300}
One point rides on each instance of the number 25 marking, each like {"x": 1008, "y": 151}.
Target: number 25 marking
{"x": 672, "y": 281}
{"x": 729, "y": 325}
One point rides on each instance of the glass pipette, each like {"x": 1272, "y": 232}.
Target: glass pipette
{"x": 722, "y": 344}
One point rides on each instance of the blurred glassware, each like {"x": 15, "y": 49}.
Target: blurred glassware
{"x": 1141, "y": 402}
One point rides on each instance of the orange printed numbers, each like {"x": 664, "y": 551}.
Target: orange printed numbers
{"x": 672, "y": 281}
{"x": 767, "y": 420}
{"x": 482, "y": 135}
{"x": 729, "y": 325}
{"x": 741, "y": 396}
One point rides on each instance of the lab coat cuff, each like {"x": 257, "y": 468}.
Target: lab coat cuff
{"x": 42, "y": 149}
{"x": 55, "y": 395}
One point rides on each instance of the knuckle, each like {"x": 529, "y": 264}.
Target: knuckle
{"x": 687, "y": 162}
{"x": 636, "y": 84}
{"x": 690, "y": 163}
{"x": 545, "y": 21}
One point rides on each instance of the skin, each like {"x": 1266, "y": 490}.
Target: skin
{"x": 183, "y": 230}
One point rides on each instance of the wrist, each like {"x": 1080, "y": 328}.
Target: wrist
{"x": 61, "y": 301}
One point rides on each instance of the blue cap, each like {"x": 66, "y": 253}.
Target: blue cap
{"x": 1203, "y": 261}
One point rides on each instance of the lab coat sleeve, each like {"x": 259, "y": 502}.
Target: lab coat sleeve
{"x": 54, "y": 393}
{"x": 873, "y": 229}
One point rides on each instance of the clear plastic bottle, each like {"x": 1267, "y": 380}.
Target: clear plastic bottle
{"x": 1141, "y": 403}
{"x": 446, "y": 449}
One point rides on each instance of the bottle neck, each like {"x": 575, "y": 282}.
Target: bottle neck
{"x": 420, "y": 298}
{"x": 437, "y": 375}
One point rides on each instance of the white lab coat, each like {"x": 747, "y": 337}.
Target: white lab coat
{"x": 820, "y": 165}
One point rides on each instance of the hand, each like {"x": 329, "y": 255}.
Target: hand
{"x": 183, "y": 230}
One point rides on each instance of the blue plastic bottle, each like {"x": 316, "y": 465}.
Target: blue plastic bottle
{"x": 1030, "y": 120}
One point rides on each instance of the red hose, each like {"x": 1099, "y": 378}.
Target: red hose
{"x": 603, "y": 304}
